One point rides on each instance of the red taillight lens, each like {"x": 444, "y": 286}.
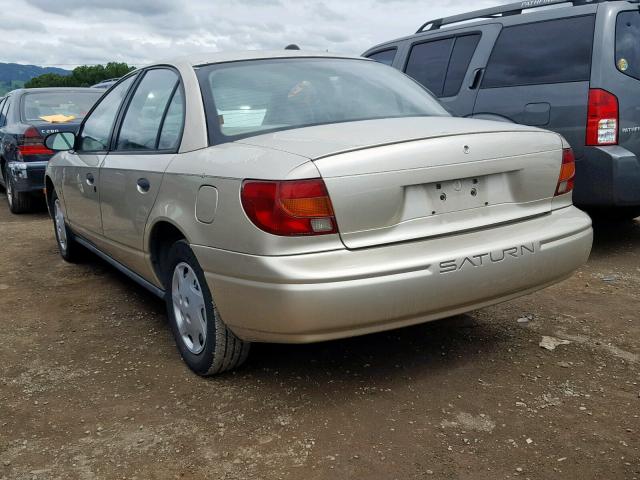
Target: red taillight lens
{"x": 33, "y": 144}
{"x": 567, "y": 172}
{"x": 289, "y": 208}
{"x": 602, "y": 118}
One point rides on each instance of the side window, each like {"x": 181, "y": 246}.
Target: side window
{"x": 463, "y": 51}
{"x": 554, "y": 51}
{"x": 384, "y": 56}
{"x": 428, "y": 64}
{"x": 141, "y": 125}
{"x": 171, "y": 131}
{"x": 96, "y": 132}
{"x": 627, "y": 45}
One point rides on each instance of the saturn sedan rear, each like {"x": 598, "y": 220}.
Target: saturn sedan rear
{"x": 291, "y": 197}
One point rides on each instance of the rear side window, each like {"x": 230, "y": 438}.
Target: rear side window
{"x": 385, "y": 56}
{"x": 171, "y": 132}
{"x": 441, "y": 65}
{"x": 142, "y": 124}
{"x": 463, "y": 51}
{"x": 428, "y": 64}
{"x": 555, "y": 51}
{"x": 628, "y": 43}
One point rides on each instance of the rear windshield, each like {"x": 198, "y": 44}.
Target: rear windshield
{"x": 628, "y": 43}
{"x": 58, "y": 106}
{"x": 259, "y": 96}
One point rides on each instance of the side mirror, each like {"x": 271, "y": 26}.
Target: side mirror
{"x": 60, "y": 141}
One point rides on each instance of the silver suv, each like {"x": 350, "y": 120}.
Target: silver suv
{"x": 570, "y": 66}
{"x": 291, "y": 197}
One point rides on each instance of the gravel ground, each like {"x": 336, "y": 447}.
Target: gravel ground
{"x": 92, "y": 387}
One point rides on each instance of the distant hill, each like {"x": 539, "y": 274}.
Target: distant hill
{"x": 13, "y": 75}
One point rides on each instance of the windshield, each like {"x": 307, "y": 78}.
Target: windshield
{"x": 58, "y": 106}
{"x": 628, "y": 43}
{"x": 253, "y": 97}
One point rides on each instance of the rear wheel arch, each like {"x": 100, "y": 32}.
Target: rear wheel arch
{"x": 162, "y": 236}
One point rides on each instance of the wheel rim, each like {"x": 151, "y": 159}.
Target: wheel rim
{"x": 189, "y": 308}
{"x": 61, "y": 229}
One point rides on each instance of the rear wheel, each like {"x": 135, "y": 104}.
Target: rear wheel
{"x": 19, "y": 202}
{"x": 206, "y": 344}
{"x": 69, "y": 249}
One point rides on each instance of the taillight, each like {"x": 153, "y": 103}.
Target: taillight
{"x": 602, "y": 118}
{"x": 567, "y": 172}
{"x": 289, "y": 208}
{"x": 32, "y": 143}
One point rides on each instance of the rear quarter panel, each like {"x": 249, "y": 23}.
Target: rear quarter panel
{"x": 224, "y": 167}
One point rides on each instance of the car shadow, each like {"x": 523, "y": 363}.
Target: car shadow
{"x": 382, "y": 359}
{"x": 610, "y": 237}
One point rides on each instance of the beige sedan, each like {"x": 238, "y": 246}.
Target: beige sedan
{"x": 295, "y": 197}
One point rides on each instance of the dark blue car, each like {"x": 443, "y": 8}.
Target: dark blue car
{"x": 26, "y": 117}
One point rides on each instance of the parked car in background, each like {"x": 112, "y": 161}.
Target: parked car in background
{"x": 26, "y": 117}
{"x": 105, "y": 84}
{"x": 297, "y": 197}
{"x": 574, "y": 70}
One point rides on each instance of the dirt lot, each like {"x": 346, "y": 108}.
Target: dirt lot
{"x": 91, "y": 385}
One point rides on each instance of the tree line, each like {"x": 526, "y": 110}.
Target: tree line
{"x": 83, "y": 76}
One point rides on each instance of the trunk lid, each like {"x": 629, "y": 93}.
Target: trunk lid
{"x": 47, "y": 128}
{"x": 395, "y": 180}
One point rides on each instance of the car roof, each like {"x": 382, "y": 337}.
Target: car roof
{"x": 535, "y": 12}
{"x": 20, "y": 91}
{"x": 235, "y": 56}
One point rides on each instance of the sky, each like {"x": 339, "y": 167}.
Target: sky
{"x": 69, "y": 33}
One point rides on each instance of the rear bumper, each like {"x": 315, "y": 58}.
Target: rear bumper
{"x": 342, "y": 293}
{"x": 27, "y": 176}
{"x": 607, "y": 177}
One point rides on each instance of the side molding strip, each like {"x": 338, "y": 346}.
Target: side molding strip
{"x": 129, "y": 273}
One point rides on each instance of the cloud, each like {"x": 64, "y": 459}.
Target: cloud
{"x": 70, "y": 7}
{"x": 73, "y": 32}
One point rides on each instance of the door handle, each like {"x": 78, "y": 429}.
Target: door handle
{"x": 90, "y": 179}
{"x": 477, "y": 76}
{"x": 143, "y": 185}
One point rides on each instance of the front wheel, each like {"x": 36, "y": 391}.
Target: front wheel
{"x": 206, "y": 344}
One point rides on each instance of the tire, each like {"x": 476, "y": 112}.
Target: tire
{"x": 205, "y": 343}
{"x": 69, "y": 249}
{"x": 19, "y": 202}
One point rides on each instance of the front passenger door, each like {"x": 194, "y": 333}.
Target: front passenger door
{"x": 148, "y": 138}
{"x": 81, "y": 173}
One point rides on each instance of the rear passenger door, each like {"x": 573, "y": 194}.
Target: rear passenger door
{"x": 147, "y": 139}
{"x": 538, "y": 74}
{"x": 450, "y": 64}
